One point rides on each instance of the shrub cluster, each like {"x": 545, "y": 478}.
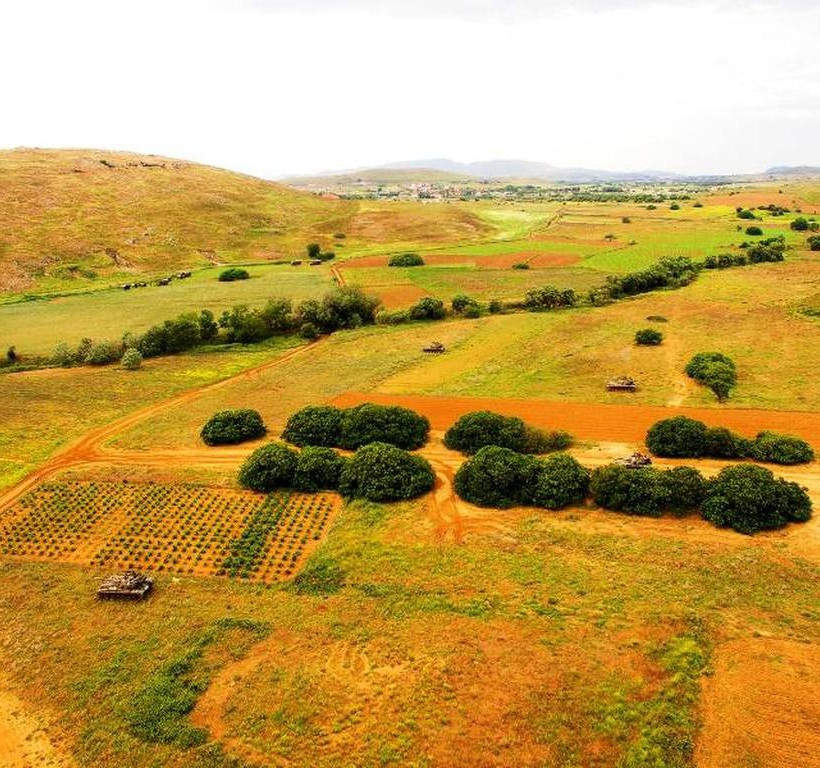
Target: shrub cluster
{"x": 670, "y": 272}
{"x": 813, "y": 242}
{"x": 754, "y": 231}
{"x": 466, "y": 306}
{"x": 383, "y": 472}
{"x": 351, "y": 428}
{"x": 233, "y": 273}
{"x": 648, "y": 337}
{"x": 682, "y": 437}
{"x": 315, "y": 253}
{"x": 802, "y": 224}
{"x": 478, "y": 429}
{"x": 549, "y": 297}
{"x": 406, "y": 260}
{"x": 725, "y": 260}
{"x": 318, "y": 469}
{"x": 647, "y": 491}
{"x": 772, "y": 249}
{"x": 714, "y": 370}
{"x": 270, "y": 467}
{"x": 232, "y": 427}
{"x": 500, "y": 477}
{"x": 749, "y": 498}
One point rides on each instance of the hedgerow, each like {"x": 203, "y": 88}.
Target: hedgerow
{"x": 477, "y": 429}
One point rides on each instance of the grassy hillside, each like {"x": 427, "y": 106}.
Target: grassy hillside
{"x": 67, "y": 216}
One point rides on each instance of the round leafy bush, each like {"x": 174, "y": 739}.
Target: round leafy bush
{"x": 722, "y": 443}
{"x": 406, "y": 260}
{"x": 315, "y": 425}
{"x": 749, "y": 498}
{"x": 232, "y": 427}
{"x": 800, "y": 224}
{"x": 813, "y": 242}
{"x": 685, "y": 488}
{"x": 633, "y": 491}
{"x": 270, "y": 467}
{"x": 428, "y": 308}
{"x": 369, "y": 423}
{"x": 780, "y": 449}
{"x": 648, "y": 337}
{"x": 318, "y": 469}
{"x": 382, "y": 472}
{"x": 754, "y": 231}
{"x": 131, "y": 359}
{"x": 556, "y": 482}
{"x": 678, "y": 437}
{"x": 495, "y": 477}
{"x": 477, "y": 429}
{"x": 103, "y": 352}
{"x": 714, "y": 370}
{"x": 309, "y": 331}
{"x": 233, "y": 273}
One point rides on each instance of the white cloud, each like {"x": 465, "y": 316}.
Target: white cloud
{"x": 278, "y": 86}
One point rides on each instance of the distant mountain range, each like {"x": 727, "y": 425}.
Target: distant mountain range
{"x": 443, "y": 169}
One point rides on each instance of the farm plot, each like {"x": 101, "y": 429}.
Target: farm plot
{"x": 182, "y": 529}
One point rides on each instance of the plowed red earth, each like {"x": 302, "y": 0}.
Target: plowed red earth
{"x": 595, "y": 421}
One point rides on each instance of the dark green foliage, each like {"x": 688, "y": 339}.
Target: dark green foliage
{"x": 318, "y": 469}
{"x": 542, "y": 441}
{"x": 633, "y": 491}
{"x": 406, "y": 260}
{"x": 813, "y": 242}
{"x": 369, "y": 423}
{"x": 495, "y": 307}
{"x": 208, "y": 327}
{"x": 800, "y": 224}
{"x": 674, "y": 207}
{"x": 475, "y": 430}
{"x": 772, "y": 249}
{"x": 327, "y": 256}
{"x": 496, "y": 477}
{"x": 722, "y": 443}
{"x": 780, "y": 449}
{"x": 244, "y": 325}
{"x": 233, "y": 273}
{"x": 321, "y": 576}
{"x": 131, "y": 359}
{"x": 346, "y": 307}
{"x": 541, "y": 299}
{"x": 232, "y": 427}
{"x": 685, "y": 487}
{"x": 749, "y": 498}
{"x": 678, "y": 437}
{"x": 521, "y": 265}
{"x": 428, "y": 308}
{"x": 270, "y": 467}
{"x": 472, "y": 312}
{"x": 671, "y": 272}
{"x": 556, "y": 482}
{"x": 714, "y": 370}
{"x": 461, "y": 303}
{"x": 754, "y": 231}
{"x": 309, "y": 331}
{"x": 173, "y": 336}
{"x": 313, "y": 250}
{"x": 725, "y": 261}
{"x": 648, "y": 337}
{"x": 278, "y": 316}
{"x": 382, "y": 472}
{"x": 319, "y": 425}
{"x": 11, "y": 355}
{"x": 745, "y": 213}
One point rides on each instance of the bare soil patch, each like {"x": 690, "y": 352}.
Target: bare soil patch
{"x": 762, "y": 705}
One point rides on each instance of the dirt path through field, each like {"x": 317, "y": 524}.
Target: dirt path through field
{"x": 90, "y": 448}
{"x": 23, "y": 740}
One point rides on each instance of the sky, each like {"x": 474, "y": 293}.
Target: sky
{"x": 278, "y": 87}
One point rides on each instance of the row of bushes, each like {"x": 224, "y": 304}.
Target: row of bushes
{"x": 747, "y": 498}
{"x": 500, "y": 477}
{"x": 478, "y": 429}
{"x": 714, "y": 370}
{"x": 406, "y": 260}
{"x": 351, "y": 428}
{"x": 377, "y": 471}
{"x": 682, "y": 437}
{"x": 346, "y": 307}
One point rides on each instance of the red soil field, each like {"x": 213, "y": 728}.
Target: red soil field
{"x": 753, "y": 199}
{"x": 595, "y": 421}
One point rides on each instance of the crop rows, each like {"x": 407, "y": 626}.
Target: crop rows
{"x": 183, "y": 529}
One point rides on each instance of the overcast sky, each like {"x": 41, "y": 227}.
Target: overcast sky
{"x": 274, "y": 87}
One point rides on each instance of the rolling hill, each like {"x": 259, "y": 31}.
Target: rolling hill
{"x": 73, "y": 215}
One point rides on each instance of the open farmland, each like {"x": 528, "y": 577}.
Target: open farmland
{"x": 307, "y": 629}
